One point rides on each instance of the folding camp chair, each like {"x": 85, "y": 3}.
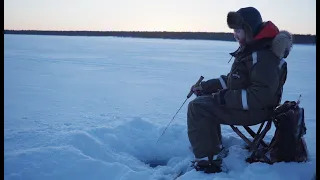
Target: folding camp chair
{"x": 253, "y": 146}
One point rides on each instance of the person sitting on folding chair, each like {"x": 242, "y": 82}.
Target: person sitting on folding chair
{"x": 247, "y": 95}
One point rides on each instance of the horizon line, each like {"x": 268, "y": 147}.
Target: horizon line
{"x": 136, "y": 31}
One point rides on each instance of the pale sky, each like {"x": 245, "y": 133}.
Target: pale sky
{"x": 296, "y": 16}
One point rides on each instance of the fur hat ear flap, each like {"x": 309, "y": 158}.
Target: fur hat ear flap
{"x": 248, "y": 31}
{"x": 234, "y": 20}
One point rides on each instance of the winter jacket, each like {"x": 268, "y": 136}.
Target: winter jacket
{"x": 257, "y": 74}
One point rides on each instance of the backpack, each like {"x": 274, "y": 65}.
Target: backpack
{"x": 288, "y": 144}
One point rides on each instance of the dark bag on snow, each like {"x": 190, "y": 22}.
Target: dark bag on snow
{"x": 288, "y": 144}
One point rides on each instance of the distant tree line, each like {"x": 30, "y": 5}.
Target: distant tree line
{"x": 298, "y": 38}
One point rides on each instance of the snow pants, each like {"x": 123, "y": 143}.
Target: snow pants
{"x": 204, "y": 120}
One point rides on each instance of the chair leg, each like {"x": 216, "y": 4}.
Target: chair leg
{"x": 259, "y": 138}
{"x": 251, "y": 159}
{"x": 255, "y": 135}
{"x": 260, "y": 128}
{"x": 254, "y": 148}
{"x": 235, "y": 129}
{"x": 251, "y": 132}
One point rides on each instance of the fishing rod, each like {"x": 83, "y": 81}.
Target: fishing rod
{"x": 188, "y": 96}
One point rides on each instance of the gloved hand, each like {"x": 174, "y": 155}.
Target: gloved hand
{"x": 197, "y": 90}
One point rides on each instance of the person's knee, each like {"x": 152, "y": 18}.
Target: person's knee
{"x": 191, "y": 109}
{"x": 192, "y": 104}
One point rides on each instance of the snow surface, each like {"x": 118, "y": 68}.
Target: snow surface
{"x": 94, "y": 107}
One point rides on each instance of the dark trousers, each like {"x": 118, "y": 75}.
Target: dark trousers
{"x": 204, "y": 120}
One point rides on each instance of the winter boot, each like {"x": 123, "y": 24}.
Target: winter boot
{"x": 211, "y": 165}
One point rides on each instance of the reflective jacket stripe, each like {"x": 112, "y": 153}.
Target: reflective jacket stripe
{"x": 244, "y": 99}
{"x": 223, "y": 84}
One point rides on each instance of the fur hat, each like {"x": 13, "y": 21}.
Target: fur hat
{"x": 248, "y": 18}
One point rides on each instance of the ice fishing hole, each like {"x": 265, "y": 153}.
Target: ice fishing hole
{"x": 156, "y": 163}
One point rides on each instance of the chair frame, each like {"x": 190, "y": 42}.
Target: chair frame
{"x": 253, "y": 146}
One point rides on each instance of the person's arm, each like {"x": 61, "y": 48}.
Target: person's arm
{"x": 214, "y": 85}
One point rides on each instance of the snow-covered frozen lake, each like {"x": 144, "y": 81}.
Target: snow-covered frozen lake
{"x": 91, "y": 108}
